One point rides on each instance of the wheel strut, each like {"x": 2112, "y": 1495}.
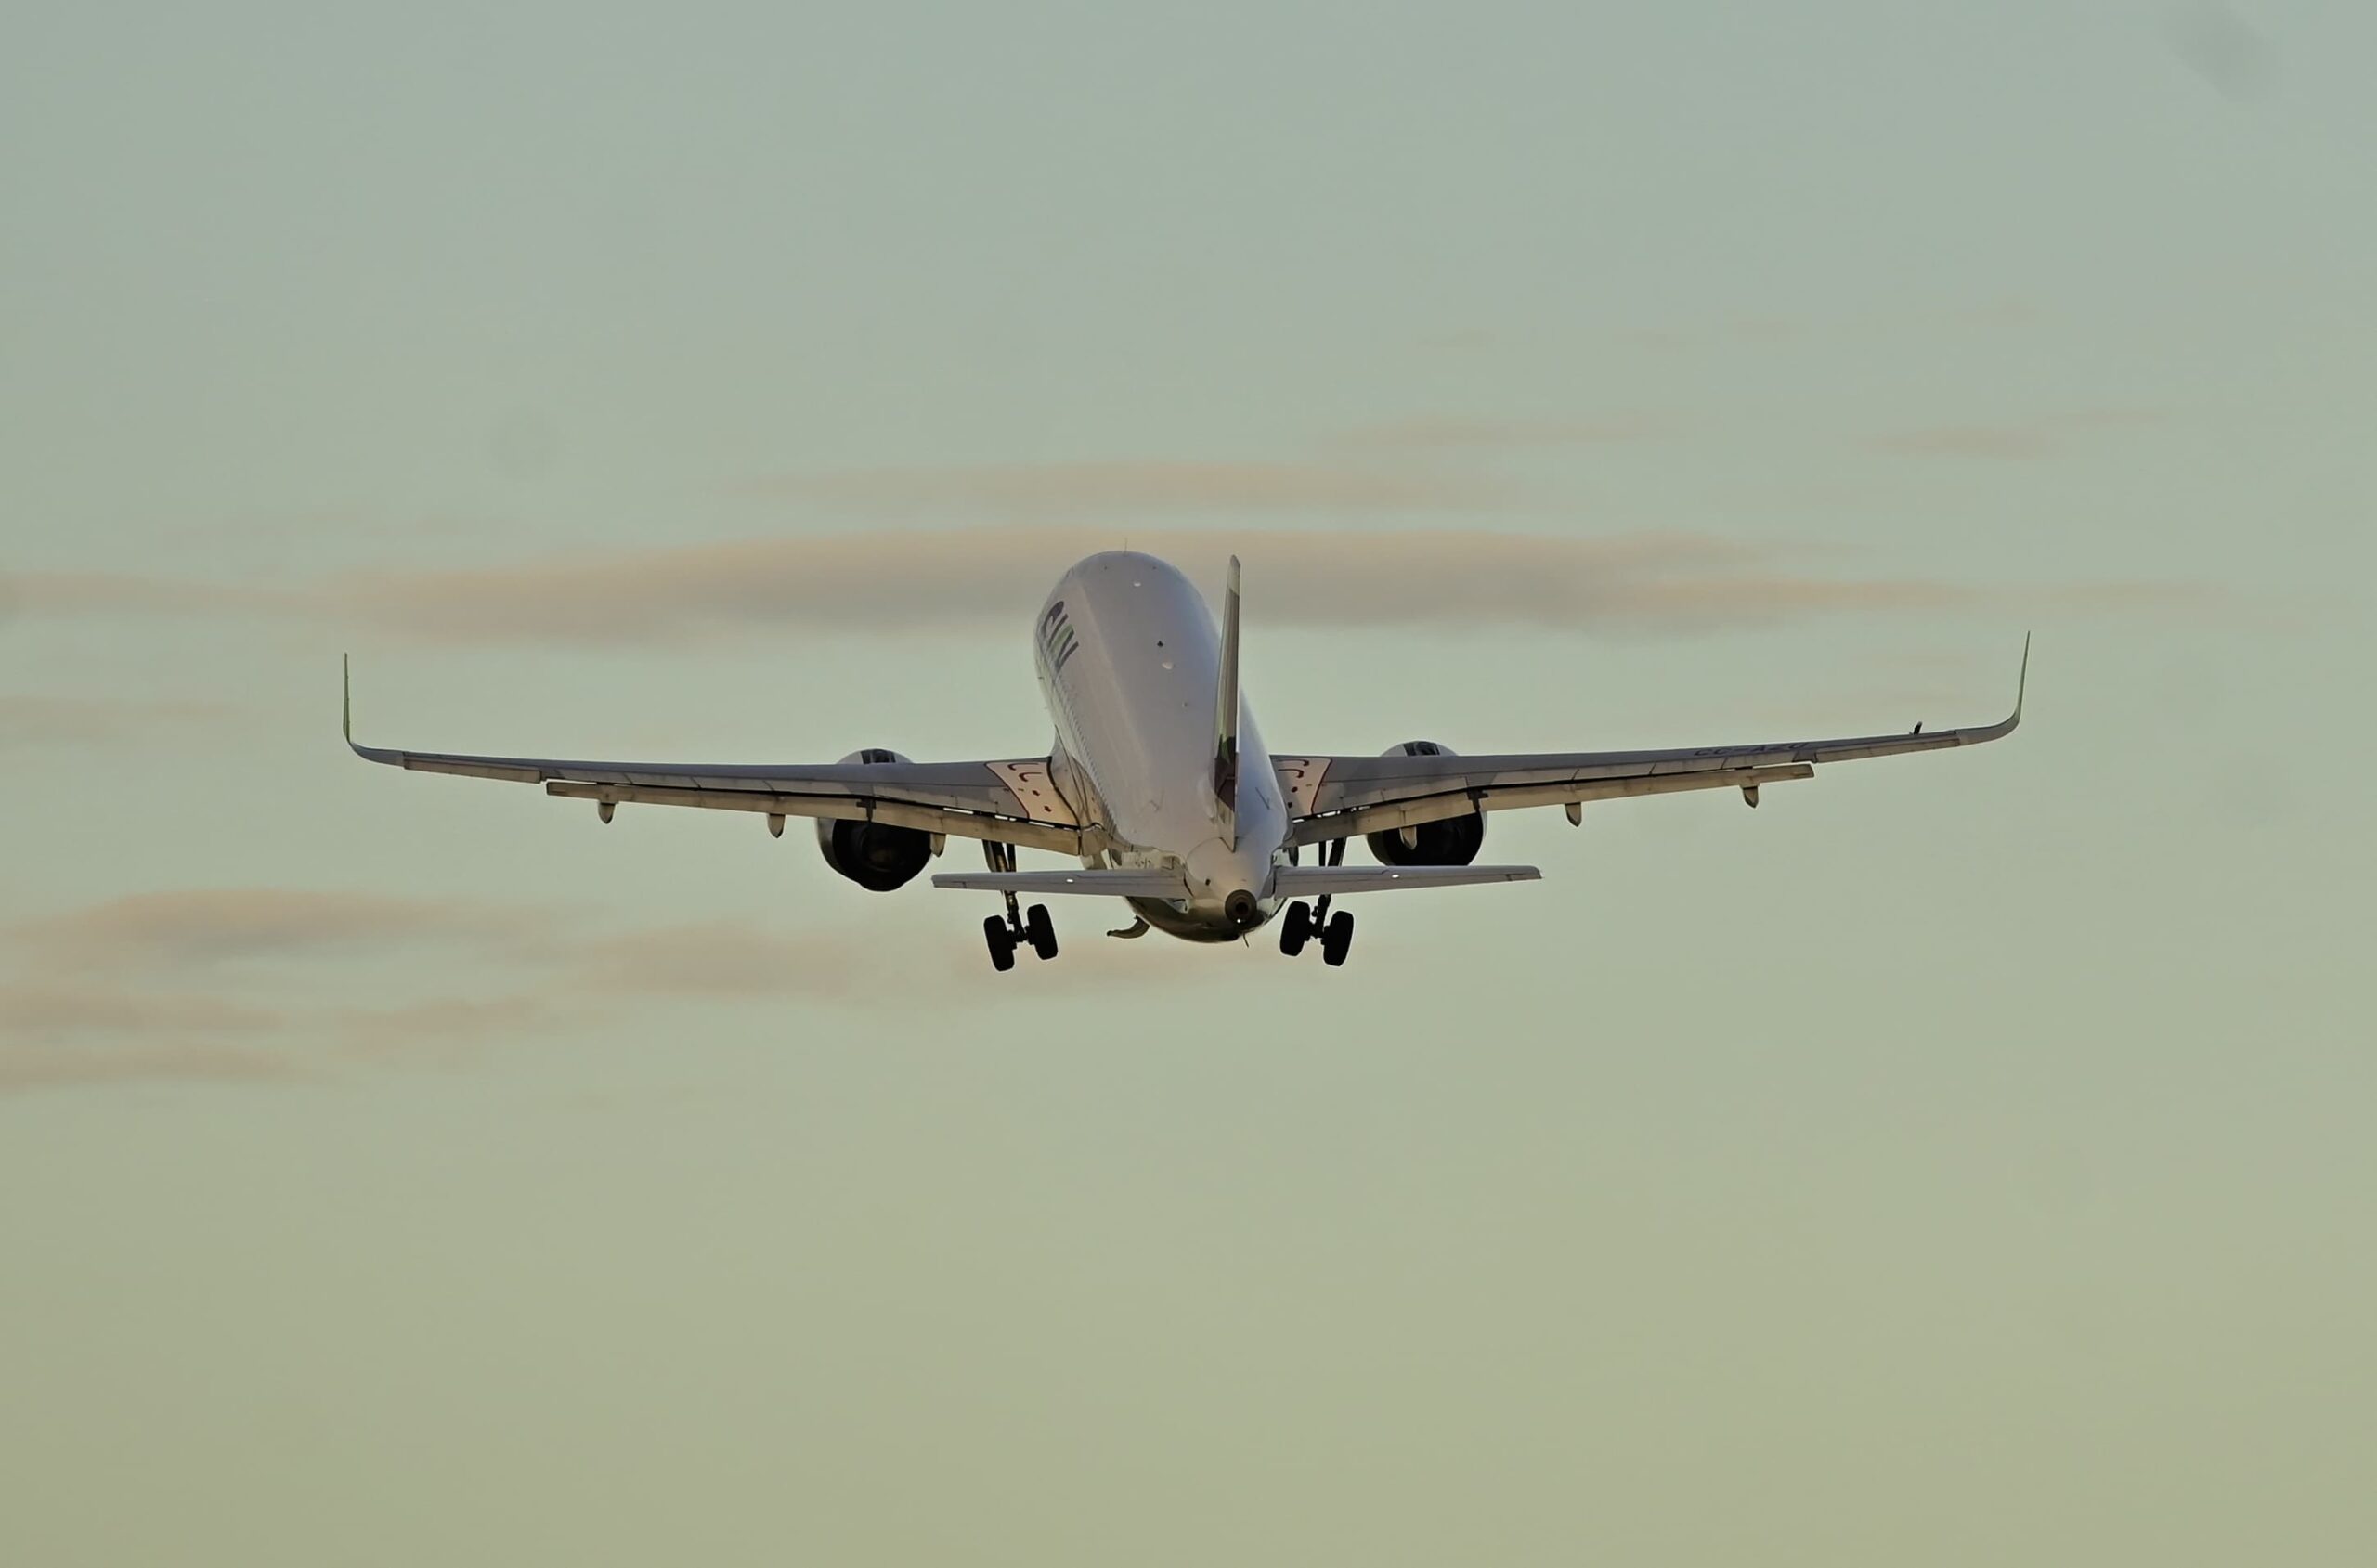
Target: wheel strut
{"x": 1001, "y": 857}
{"x": 1332, "y": 853}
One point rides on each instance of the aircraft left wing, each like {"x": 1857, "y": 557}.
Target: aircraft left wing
{"x": 1009, "y": 802}
{"x": 1336, "y": 797}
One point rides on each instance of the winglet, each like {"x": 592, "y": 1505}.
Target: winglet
{"x": 346, "y": 698}
{"x": 2007, "y": 725}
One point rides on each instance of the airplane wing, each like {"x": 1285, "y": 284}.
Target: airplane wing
{"x": 1334, "y": 798}
{"x": 1009, "y": 802}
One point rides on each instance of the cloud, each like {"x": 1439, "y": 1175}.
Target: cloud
{"x": 28, "y": 1068}
{"x": 891, "y": 967}
{"x": 57, "y": 1036}
{"x": 724, "y": 959}
{"x": 28, "y": 721}
{"x": 1968, "y": 441}
{"x": 50, "y": 1011}
{"x": 69, "y": 593}
{"x": 965, "y": 580}
{"x": 113, "y": 1002}
{"x": 2023, "y": 440}
{"x": 147, "y": 933}
{"x": 1124, "y": 489}
{"x": 1448, "y": 432}
{"x": 449, "y": 1028}
{"x": 984, "y": 580}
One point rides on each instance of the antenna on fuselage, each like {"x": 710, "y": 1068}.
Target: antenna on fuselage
{"x": 1226, "y": 715}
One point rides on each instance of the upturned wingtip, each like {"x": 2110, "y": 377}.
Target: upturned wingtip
{"x": 346, "y": 699}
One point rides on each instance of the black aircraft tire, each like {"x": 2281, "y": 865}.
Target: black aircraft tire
{"x": 995, "y": 932}
{"x": 1338, "y": 938}
{"x": 1038, "y": 930}
{"x": 1295, "y": 927}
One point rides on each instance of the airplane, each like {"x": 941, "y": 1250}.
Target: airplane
{"x": 1159, "y": 785}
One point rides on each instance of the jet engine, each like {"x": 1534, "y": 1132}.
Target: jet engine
{"x": 1447, "y": 841}
{"x": 875, "y": 855}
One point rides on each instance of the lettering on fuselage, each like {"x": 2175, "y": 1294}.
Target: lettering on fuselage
{"x": 1058, "y": 640}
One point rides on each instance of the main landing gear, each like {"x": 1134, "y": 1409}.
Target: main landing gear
{"x": 1017, "y": 928}
{"x": 1302, "y": 922}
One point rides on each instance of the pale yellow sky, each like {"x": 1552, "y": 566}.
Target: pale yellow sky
{"x": 1960, "y": 1159}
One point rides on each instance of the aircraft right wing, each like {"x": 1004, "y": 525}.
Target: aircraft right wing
{"x": 1337, "y": 797}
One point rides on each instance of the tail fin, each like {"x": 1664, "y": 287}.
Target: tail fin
{"x": 1226, "y": 715}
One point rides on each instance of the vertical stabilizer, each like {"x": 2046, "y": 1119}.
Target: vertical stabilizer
{"x": 1226, "y": 715}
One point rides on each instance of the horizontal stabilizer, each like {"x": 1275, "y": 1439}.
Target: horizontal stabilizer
{"x": 1311, "y": 881}
{"x": 1122, "y": 884}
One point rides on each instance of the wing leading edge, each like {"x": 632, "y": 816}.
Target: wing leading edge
{"x": 1009, "y": 802}
{"x": 1341, "y": 796}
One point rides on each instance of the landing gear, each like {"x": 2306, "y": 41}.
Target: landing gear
{"x": 1337, "y": 938}
{"x": 1300, "y": 921}
{"x": 1032, "y": 929}
{"x": 1039, "y": 932}
{"x": 1002, "y": 943}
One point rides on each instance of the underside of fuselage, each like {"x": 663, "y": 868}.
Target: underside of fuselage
{"x": 1195, "y": 922}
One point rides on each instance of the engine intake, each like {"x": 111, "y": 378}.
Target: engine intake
{"x": 1447, "y": 841}
{"x": 875, "y": 855}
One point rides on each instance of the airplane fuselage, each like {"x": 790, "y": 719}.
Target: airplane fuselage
{"x": 1129, "y": 660}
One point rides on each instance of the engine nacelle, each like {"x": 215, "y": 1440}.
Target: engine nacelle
{"x": 875, "y": 855}
{"x": 1447, "y": 841}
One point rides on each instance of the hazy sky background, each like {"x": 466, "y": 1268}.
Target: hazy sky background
{"x": 1961, "y": 1160}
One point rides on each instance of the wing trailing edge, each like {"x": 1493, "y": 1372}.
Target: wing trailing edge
{"x": 1309, "y": 881}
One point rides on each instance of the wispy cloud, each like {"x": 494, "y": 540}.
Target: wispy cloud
{"x": 68, "y": 593}
{"x": 1127, "y": 489}
{"x": 51, "y": 1011}
{"x": 970, "y": 580}
{"x": 26, "y": 1067}
{"x": 442, "y": 1028}
{"x": 149, "y": 933}
{"x": 57, "y": 1035}
{"x": 1638, "y": 583}
{"x": 962, "y": 580}
{"x": 144, "y": 987}
{"x": 721, "y": 960}
{"x": 28, "y": 721}
{"x": 1448, "y": 433}
{"x": 2019, "y": 440}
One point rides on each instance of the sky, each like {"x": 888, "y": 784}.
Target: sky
{"x": 1961, "y": 1159}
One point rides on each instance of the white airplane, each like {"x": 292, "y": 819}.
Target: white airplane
{"x": 1159, "y": 784}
